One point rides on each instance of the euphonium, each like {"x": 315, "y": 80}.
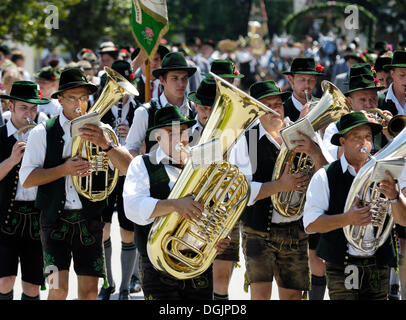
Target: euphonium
{"x": 101, "y": 182}
{"x": 332, "y": 105}
{"x": 184, "y": 248}
{"x": 369, "y": 238}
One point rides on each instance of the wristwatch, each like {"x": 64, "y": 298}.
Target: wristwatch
{"x": 393, "y": 201}
{"x": 111, "y": 146}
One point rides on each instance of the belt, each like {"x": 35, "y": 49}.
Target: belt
{"x": 24, "y": 207}
{"x": 298, "y": 222}
{"x": 362, "y": 261}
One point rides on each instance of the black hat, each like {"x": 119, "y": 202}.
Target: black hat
{"x": 224, "y": 69}
{"x": 263, "y": 89}
{"x": 72, "y": 78}
{"x": 363, "y": 82}
{"x": 162, "y": 51}
{"x": 165, "y": 117}
{"x": 26, "y": 91}
{"x": 304, "y": 66}
{"x": 381, "y": 61}
{"x": 47, "y": 73}
{"x": 173, "y": 61}
{"x": 398, "y": 60}
{"x": 205, "y": 94}
{"x": 359, "y": 57}
{"x": 351, "y": 121}
{"x": 123, "y": 68}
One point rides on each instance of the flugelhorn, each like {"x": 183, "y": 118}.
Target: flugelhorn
{"x": 103, "y": 179}
{"x": 332, "y": 105}
{"x": 184, "y": 248}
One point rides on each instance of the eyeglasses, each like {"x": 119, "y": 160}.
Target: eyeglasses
{"x": 73, "y": 100}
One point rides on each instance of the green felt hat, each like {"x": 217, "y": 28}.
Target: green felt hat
{"x": 363, "y": 82}
{"x": 72, "y": 78}
{"x": 165, "y": 117}
{"x": 224, "y": 68}
{"x": 304, "y": 66}
{"x": 171, "y": 62}
{"x": 351, "y": 121}
{"x": 205, "y": 94}
{"x": 262, "y": 89}
{"x": 47, "y": 73}
{"x": 26, "y": 91}
{"x": 398, "y": 60}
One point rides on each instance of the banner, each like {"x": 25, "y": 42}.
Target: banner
{"x": 149, "y": 22}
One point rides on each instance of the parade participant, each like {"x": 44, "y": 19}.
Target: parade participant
{"x": 341, "y": 80}
{"x": 48, "y": 81}
{"x": 119, "y": 117}
{"x": 401, "y": 234}
{"x": 273, "y": 245}
{"x": 71, "y": 225}
{"x": 225, "y": 69}
{"x": 149, "y": 180}
{"x": 362, "y": 95}
{"x": 224, "y": 264}
{"x": 173, "y": 76}
{"x": 302, "y": 78}
{"x": 383, "y": 75}
{"x": 139, "y": 59}
{"x": 324, "y": 213}
{"x": 108, "y": 54}
{"x": 19, "y": 218}
{"x": 395, "y": 98}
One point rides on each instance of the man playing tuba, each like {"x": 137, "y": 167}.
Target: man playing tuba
{"x": 148, "y": 183}
{"x": 71, "y": 225}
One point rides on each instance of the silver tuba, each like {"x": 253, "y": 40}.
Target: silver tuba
{"x": 365, "y": 189}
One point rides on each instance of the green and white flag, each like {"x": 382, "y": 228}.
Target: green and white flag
{"x": 149, "y": 22}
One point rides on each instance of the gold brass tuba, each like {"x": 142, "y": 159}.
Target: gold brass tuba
{"x": 102, "y": 181}
{"x": 332, "y": 105}
{"x": 184, "y": 248}
{"x": 365, "y": 189}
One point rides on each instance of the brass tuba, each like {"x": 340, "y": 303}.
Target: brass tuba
{"x": 184, "y": 248}
{"x": 365, "y": 189}
{"x": 102, "y": 181}
{"x": 332, "y": 105}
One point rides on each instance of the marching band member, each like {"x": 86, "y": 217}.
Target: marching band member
{"x": 173, "y": 75}
{"x": 48, "y": 81}
{"x": 149, "y": 180}
{"x": 362, "y": 95}
{"x": 119, "y": 117}
{"x": 302, "y": 78}
{"x": 224, "y": 264}
{"x": 71, "y": 225}
{"x": 19, "y": 217}
{"x": 273, "y": 245}
{"x": 323, "y": 213}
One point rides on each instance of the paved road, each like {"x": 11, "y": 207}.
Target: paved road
{"x": 236, "y": 291}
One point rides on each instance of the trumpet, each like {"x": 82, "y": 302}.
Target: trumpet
{"x": 22, "y": 132}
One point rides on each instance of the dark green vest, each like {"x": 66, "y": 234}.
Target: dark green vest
{"x": 159, "y": 189}
{"x": 51, "y": 197}
{"x": 332, "y": 245}
{"x": 387, "y": 105}
{"x": 259, "y": 215}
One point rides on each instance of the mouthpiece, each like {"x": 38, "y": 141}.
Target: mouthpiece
{"x": 78, "y": 111}
{"x": 364, "y": 150}
{"x": 307, "y": 96}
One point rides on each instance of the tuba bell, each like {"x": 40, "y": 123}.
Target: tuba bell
{"x": 183, "y": 248}
{"x": 102, "y": 181}
{"x": 369, "y": 238}
{"x": 332, "y": 105}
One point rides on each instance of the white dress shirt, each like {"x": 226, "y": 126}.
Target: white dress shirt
{"x": 391, "y": 96}
{"x": 138, "y": 203}
{"x": 157, "y": 83}
{"x": 239, "y": 156}
{"x": 328, "y": 133}
{"x": 138, "y": 129}
{"x": 22, "y": 194}
{"x": 318, "y": 200}
{"x": 34, "y": 157}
